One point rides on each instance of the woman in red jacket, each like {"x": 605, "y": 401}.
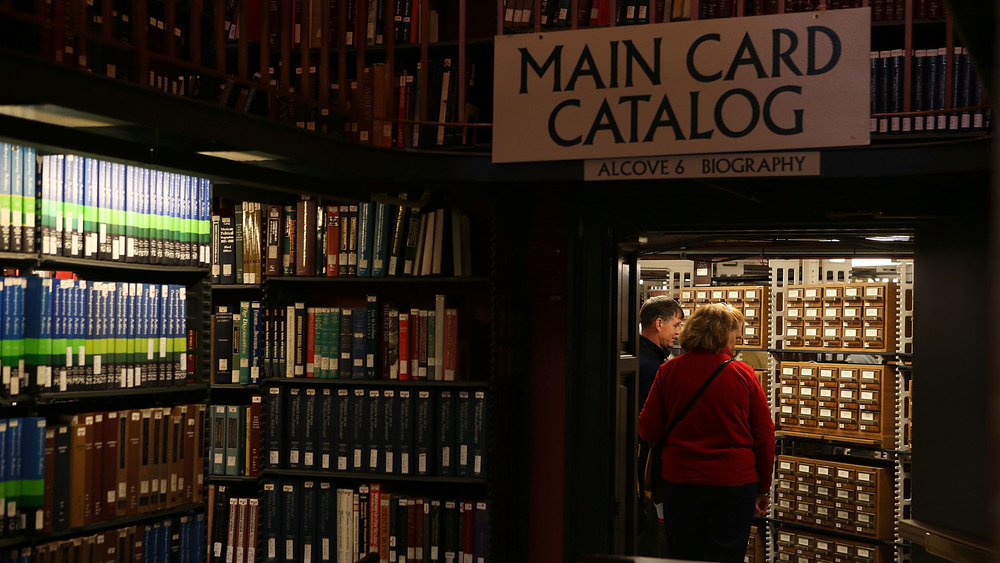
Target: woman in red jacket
{"x": 719, "y": 458}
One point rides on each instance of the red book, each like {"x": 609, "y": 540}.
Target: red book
{"x": 311, "y": 342}
{"x": 411, "y": 529}
{"x": 254, "y": 435}
{"x": 332, "y": 241}
{"x": 468, "y": 530}
{"x": 450, "y": 344}
{"x": 404, "y": 346}
{"x": 109, "y": 474}
{"x": 97, "y": 469}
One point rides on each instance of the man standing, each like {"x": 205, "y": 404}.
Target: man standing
{"x": 660, "y": 320}
{"x": 659, "y": 324}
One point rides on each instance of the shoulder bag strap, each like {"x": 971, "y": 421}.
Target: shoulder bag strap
{"x": 694, "y": 399}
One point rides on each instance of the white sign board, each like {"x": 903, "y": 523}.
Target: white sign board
{"x": 758, "y": 83}
{"x": 726, "y": 165}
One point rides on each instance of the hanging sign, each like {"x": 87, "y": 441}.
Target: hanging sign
{"x": 790, "y": 81}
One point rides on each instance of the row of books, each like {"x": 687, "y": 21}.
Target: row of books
{"x": 234, "y": 527}
{"x": 381, "y": 340}
{"x": 439, "y": 432}
{"x": 180, "y": 539}
{"x": 597, "y": 13}
{"x": 100, "y": 466}
{"x": 326, "y": 239}
{"x": 18, "y": 189}
{"x": 63, "y": 334}
{"x": 235, "y": 438}
{"x": 103, "y": 210}
{"x": 931, "y": 72}
{"x": 306, "y": 517}
{"x": 309, "y": 28}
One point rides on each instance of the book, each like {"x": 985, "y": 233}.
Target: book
{"x": 332, "y": 240}
{"x": 424, "y": 437}
{"x": 253, "y": 439}
{"x": 227, "y": 250}
{"x": 445, "y": 418}
{"x": 309, "y": 430}
{"x": 326, "y": 522}
{"x": 272, "y": 261}
{"x": 305, "y": 220}
{"x": 271, "y": 520}
{"x": 291, "y": 501}
{"x": 308, "y": 520}
{"x": 296, "y": 447}
{"x": 274, "y": 446}
{"x": 365, "y": 238}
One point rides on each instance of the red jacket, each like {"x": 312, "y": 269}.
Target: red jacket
{"x": 727, "y": 438}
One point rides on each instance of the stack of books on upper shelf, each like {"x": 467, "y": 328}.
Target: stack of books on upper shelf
{"x": 233, "y": 524}
{"x": 932, "y": 69}
{"x": 303, "y": 516}
{"x": 67, "y": 334}
{"x": 314, "y": 238}
{"x": 115, "y": 212}
{"x": 390, "y": 431}
{"x": 380, "y": 340}
{"x": 235, "y": 439}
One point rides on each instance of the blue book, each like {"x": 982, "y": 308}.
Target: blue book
{"x": 366, "y": 238}
{"x": 294, "y": 403}
{"x": 342, "y": 429}
{"x": 326, "y": 522}
{"x": 15, "y": 468}
{"x": 233, "y": 440}
{"x": 91, "y": 184}
{"x": 480, "y": 434}
{"x": 274, "y": 447}
{"x": 117, "y": 226}
{"x": 13, "y": 341}
{"x": 463, "y": 433}
{"x": 424, "y": 451}
{"x": 445, "y": 433}
{"x": 17, "y": 163}
{"x": 60, "y": 312}
{"x": 30, "y": 193}
{"x": 387, "y": 428}
{"x": 291, "y": 515}
{"x": 6, "y": 180}
{"x": 217, "y": 439}
{"x": 38, "y": 332}
{"x": 359, "y": 346}
{"x": 357, "y": 436}
{"x": 372, "y": 337}
{"x": 271, "y": 521}
{"x": 177, "y": 343}
{"x": 120, "y": 348}
{"x": 326, "y": 423}
{"x": 91, "y": 318}
{"x": 385, "y": 215}
{"x": 374, "y": 409}
{"x": 4, "y": 474}
{"x": 403, "y": 420}
{"x": 53, "y": 175}
{"x": 244, "y": 343}
{"x": 309, "y": 430}
{"x": 308, "y": 521}
{"x": 104, "y": 172}
{"x": 66, "y": 209}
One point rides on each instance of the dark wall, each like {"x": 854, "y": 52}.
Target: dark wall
{"x": 951, "y": 378}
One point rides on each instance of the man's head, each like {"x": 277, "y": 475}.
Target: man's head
{"x": 660, "y": 320}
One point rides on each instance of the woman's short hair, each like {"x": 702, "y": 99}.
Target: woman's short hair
{"x": 709, "y": 326}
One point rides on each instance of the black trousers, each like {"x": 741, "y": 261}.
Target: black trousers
{"x": 707, "y": 523}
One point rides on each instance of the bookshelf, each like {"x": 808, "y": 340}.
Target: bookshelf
{"x": 71, "y": 353}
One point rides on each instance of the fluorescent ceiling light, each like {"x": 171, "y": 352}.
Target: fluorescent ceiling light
{"x": 838, "y": 260}
{"x": 891, "y": 238}
{"x": 860, "y": 262}
{"x": 57, "y": 115}
{"x": 239, "y": 156}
